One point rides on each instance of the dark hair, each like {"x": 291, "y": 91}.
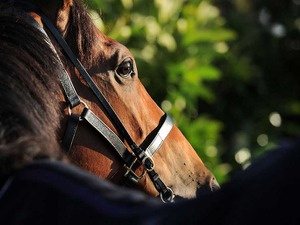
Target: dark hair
{"x": 81, "y": 34}
{"x": 29, "y": 90}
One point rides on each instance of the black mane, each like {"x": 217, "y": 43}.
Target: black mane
{"x": 29, "y": 86}
{"x": 29, "y": 104}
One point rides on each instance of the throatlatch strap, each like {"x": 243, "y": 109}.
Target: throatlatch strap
{"x": 72, "y": 126}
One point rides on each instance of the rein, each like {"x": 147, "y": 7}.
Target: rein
{"x": 143, "y": 156}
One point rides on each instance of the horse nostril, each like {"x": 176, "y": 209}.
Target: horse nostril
{"x": 211, "y": 185}
{"x": 214, "y": 185}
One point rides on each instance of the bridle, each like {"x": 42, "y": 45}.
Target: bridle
{"x": 138, "y": 155}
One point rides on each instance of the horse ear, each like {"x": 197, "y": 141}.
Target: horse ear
{"x": 57, "y": 10}
{"x": 63, "y": 15}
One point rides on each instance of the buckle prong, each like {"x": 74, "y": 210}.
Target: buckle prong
{"x": 151, "y": 163}
{"x": 130, "y": 170}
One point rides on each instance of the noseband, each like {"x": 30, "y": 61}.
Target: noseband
{"x": 142, "y": 156}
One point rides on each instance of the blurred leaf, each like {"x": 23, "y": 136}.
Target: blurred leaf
{"x": 208, "y": 35}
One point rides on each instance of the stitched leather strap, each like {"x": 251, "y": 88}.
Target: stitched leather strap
{"x": 161, "y": 135}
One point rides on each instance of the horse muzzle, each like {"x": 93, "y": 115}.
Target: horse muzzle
{"x": 210, "y": 186}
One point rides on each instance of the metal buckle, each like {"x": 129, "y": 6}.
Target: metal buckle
{"x": 83, "y": 103}
{"x": 167, "y": 196}
{"x": 147, "y": 157}
{"x": 131, "y": 174}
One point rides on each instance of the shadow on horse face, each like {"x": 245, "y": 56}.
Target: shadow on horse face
{"x": 113, "y": 69}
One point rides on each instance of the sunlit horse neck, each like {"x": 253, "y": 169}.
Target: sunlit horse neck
{"x": 113, "y": 70}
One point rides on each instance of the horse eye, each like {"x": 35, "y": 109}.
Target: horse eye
{"x": 125, "y": 69}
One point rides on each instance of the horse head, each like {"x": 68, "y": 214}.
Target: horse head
{"x": 112, "y": 68}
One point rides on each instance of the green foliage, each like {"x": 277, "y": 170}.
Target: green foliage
{"x": 215, "y": 68}
{"x": 260, "y": 87}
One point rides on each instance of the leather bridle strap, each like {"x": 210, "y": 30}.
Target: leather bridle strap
{"x": 143, "y": 156}
{"x": 69, "y": 90}
{"x": 161, "y": 135}
{"x": 88, "y": 116}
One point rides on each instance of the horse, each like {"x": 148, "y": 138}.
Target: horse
{"x": 29, "y": 112}
{"x": 138, "y": 143}
{"x": 29, "y": 123}
{"x": 41, "y": 188}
